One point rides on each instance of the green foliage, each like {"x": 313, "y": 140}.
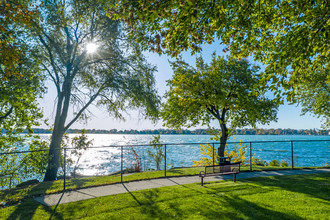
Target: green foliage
{"x": 226, "y": 90}
{"x": 21, "y": 85}
{"x": 158, "y": 153}
{"x": 314, "y": 94}
{"x": 79, "y": 144}
{"x": 238, "y": 154}
{"x": 290, "y": 37}
{"x": 12, "y": 15}
{"x": 198, "y": 95}
{"x": 235, "y": 155}
{"x": 259, "y": 162}
{"x": 117, "y": 76}
{"x": 274, "y": 163}
{"x": 207, "y": 156}
{"x": 20, "y": 167}
{"x": 284, "y": 164}
{"x": 20, "y": 77}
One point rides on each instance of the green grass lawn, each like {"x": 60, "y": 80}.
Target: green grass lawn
{"x": 15, "y": 195}
{"x": 278, "y": 197}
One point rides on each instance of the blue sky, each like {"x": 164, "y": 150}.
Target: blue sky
{"x": 288, "y": 115}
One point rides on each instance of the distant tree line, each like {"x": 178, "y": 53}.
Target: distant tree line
{"x": 261, "y": 131}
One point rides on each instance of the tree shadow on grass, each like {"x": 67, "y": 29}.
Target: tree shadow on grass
{"x": 27, "y": 207}
{"x": 184, "y": 171}
{"x": 79, "y": 183}
{"x": 206, "y": 203}
{"x": 315, "y": 185}
{"x": 246, "y": 209}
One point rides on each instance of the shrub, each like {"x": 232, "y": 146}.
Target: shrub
{"x": 79, "y": 145}
{"x": 257, "y": 161}
{"x": 158, "y": 154}
{"x": 284, "y": 164}
{"x": 207, "y": 152}
{"x": 136, "y": 163}
{"x": 274, "y": 163}
{"x": 236, "y": 155}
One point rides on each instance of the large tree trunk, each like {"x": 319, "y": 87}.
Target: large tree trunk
{"x": 224, "y": 133}
{"x": 54, "y": 155}
{"x": 223, "y": 140}
{"x": 58, "y": 132}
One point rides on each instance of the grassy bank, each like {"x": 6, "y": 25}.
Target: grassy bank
{"x": 15, "y": 195}
{"x": 277, "y": 197}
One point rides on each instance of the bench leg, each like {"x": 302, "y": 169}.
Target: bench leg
{"x": 202, "y": 181}
{"x": 235, "y": 178}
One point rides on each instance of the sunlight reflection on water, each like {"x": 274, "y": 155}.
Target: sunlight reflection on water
{"x": 105, "y": 160}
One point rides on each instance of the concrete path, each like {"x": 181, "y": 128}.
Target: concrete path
{"x": 94, "y": 192}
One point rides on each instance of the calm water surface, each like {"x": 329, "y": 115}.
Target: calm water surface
{"x": 105, "y": 160}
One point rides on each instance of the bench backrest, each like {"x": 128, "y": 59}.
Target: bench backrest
{"x": 222, "y": 168}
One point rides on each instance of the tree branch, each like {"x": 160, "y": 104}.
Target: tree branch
{"x": 83, "y": 109}
{"x": 57, "y": 83}
{"x": 7, "y": 114}
{"x": 51, "y": 57}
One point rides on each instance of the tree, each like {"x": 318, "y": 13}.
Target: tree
{"x": 291, "y": 38}
{"x": 226, "y": 90}
{"x": 116, "y": 75}
{"x": 21, "y": 84}
{"x": 19, "y": 80}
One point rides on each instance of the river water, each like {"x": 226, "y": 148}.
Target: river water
{"x": 182, "y": 150}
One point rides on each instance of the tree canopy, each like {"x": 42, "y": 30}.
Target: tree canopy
{"x": 115, "y": 76}
{"x": 21, "y": 84}
{"x": 225, "y": 90}
{"x": 314, "y": 94}
{"x": 13, "y": 14}
{"x": 292, "y": 38}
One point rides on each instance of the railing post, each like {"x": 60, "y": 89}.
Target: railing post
{"x": 64, "y": 168}
{"x": 250, "y": 156}
{"x": 213, "y": 154}
{"x": 10, "y": 180}
{"x": 292, "y": 165}
{"x": 121, "y": 164}
{"x": 165, "y": 160}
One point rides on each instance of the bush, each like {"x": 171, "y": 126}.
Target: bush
{"x": 274, "y": 163}
{"x": 257, "y": 161}
{"x": 136, "y": 163}
{"x": 284, "y": 164}
{"x": 236, "y": 155}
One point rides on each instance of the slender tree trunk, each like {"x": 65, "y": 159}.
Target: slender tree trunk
{"x": 224, "y": 133}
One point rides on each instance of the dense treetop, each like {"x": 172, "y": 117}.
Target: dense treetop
{"x": 292, "y": 38}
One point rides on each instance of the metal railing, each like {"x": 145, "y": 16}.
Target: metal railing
{"x": 250, "y": 149}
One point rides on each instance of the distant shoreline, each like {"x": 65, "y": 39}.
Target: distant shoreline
{"x": 194, "y": 132}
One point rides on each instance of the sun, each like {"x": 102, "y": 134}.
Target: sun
{"x": 91, "y": 47}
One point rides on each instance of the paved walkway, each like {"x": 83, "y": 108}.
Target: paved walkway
{"x": 93, "y": 192}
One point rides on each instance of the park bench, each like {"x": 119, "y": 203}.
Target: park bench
{"x": 222, "y": 169}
